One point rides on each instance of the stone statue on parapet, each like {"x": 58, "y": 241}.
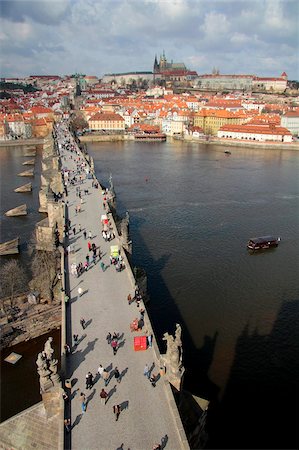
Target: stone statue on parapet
{"x": 44, "y": 372}
{"x": 48, "y": 350}
{"x": 47, "y": 367}
{"x": 111, "y": 185}
{"x": 173, "y": 357}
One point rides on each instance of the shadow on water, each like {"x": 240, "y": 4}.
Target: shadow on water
{"x": 259, "y": 408}
{"x": 196, "y": 360}
{"x": 254, "y": 411}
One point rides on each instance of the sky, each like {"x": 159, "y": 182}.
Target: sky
{"x": 94, "y": 37}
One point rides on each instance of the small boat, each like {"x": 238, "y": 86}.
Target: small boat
{"x": 263, "y": 242}
{"x": 227, "y": 152}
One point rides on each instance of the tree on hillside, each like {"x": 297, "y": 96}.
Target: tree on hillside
{"x": 13, "y": 283}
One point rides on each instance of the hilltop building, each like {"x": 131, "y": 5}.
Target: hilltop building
{"x": 170, "y": 71}
{"x": 219, "y": 82}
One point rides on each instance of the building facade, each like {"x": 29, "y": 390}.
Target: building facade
{"x": 106, "y": 121}
{"x": 290, "y": 120}
{"x": 212, "y": 120}
{"x": 261, "y": 133}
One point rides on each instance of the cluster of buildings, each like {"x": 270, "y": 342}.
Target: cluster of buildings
{"x": 30, "y": 113}
{"x": 116, "y": 105}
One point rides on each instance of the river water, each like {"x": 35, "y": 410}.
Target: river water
{"x": 192, "y": 209}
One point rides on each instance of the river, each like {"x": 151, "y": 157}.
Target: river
{"x": 192, "y": 209}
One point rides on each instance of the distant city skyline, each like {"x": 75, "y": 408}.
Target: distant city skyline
{"x": 95, "y": 37}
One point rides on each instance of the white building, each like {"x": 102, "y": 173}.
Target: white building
{"x": 290, "y": 120}
{"x": 259, "y": 133}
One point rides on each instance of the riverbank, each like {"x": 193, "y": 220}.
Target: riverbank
{"x": 22, "y": 142}
{"x": 241, "y": 143}
{"x": 212, "y": 141}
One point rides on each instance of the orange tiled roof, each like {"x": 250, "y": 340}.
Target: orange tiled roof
{"x": 262, "y": 129}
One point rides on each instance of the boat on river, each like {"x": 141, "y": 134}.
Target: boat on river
{"x": 227, "y": 152}
{"x": 263, "y": 242}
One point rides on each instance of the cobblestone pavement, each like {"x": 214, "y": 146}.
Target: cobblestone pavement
{"x": 146, "y": 416}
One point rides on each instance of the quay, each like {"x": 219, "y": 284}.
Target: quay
{"x": 149, "y": 414}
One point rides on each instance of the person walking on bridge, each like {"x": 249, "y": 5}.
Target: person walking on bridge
{"x": 116, "y": 410}
{"x": 83, "y": 402}
{"x": 103, "y": 395}
{"x": 114, "y": 345}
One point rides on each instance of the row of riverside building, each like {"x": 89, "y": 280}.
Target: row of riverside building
{"x": 106, "y": 107}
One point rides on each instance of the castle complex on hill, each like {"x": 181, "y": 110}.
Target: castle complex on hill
{"x": 177, "y": 74}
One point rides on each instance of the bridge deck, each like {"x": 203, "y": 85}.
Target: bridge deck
{"x": 147, "y": 416}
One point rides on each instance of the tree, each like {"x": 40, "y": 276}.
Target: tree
{"x": 78, "y": 122}
{"x": 13, "y": 282}
{"x": 45, "y": 269}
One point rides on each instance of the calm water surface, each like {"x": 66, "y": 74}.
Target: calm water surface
{"x": 192, "y": 209}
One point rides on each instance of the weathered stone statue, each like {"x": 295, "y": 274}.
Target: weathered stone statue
{"x": 47, "y": 367}
{"x": 124, "y": 230}
{"x": 173, "y": 357}
{"x": 48, "y": 349}
{"x": 44, "y": 372}
{"x": 111, "y": 185}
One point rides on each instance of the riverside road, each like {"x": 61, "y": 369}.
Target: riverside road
{"x": 146, "y": 418}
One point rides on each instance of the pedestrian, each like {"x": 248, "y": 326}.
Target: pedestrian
{"x": 80, "y": 291}
{"x": 89, "y": 235}
{"x": 103, "y": 395}
{"x": 162, "y": 371}
{"x": 157, "y": 447}
{"x": 146, "y": 371}
{"x": 94, "y": 258}
{"x": 106, "y": 377}
{"x": 82, "y": 322}
{"x": 100, "y": 254}
{"x": 89, "y": 380}
{"x": 129, "y": 299}
{"x": 153, "y": 380}
{"x": 89, "y": 245}
{"x": 67, "y": 424}
{"x": 100, "y": 370}
{"x": 150, "y": 340}
{"x": 79, "y": 226}
{"x": 116, "y": 410}
{"x": 114, "y": 346}
{"x": 67, "y": 349}
{"x": 109, "y": 338}
{"x": 83, "y": 402}
{"x": 117, "y": 374}
{"x": 84, "y": 234}
{"x": 103, "y": 267}
{"x": 74, "y": 230}
{"x": 75, "y": 337}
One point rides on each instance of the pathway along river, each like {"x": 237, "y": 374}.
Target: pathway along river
{"x": 192, "y": 209}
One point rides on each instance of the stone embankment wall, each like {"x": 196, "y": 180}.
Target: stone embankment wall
{"x": 106, "y": 137}
{"x": 251, "y": 145}
{"x": 21, "y": 142}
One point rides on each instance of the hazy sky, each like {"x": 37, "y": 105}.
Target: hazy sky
{"x": 102, "y": 36}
